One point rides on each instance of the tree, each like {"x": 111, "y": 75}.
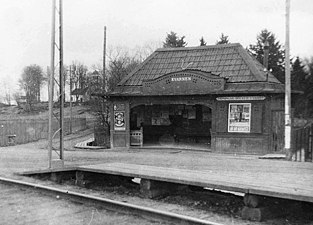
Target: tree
{"x": 298, "y": 82}
{"x": 118, "y": 68}
{"x": 31, "y": 82}
{"x": 202, "y": 42}
{"x": 6, "y": 90}
{"x": 276, "y": 56}
{"x": 78, "y": 76}
{"x": 298, "y": 75}
{"x": 308, "y": 92}
{"x": 223, "y": 40}
{"x": 174, "y": 41}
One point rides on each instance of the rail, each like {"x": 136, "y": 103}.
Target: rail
{"x": 112, "y": 205}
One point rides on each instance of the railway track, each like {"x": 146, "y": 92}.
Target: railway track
{"x": 111, "y": 205}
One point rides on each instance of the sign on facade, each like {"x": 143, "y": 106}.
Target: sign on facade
{"x": 119, "y": 120}
{"x": 239, "y": 117}
{"x": 119, "y": 117}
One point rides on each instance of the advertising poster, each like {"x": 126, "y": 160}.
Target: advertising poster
{"x": 239, "y": 117}
{"x": 119, "y": 120}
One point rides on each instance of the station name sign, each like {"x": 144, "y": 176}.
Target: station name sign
{"x": 241, "y": 98}
{"x": 186, "y": 82}
{"x": 181, "y": 79}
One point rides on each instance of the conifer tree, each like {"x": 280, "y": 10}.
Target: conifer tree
{"x": 223, "y": 40}
{"x": 276, "y": 56}
{"x": 202, "y": 42}
{"x": 172, "y": 40}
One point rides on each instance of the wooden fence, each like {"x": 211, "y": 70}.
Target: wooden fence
{"x": 20, "y": 131}
{"x": 302, "y": 143}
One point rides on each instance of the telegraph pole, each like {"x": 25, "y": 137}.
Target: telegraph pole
{"x": 71, "y": 110}
{"x": 104, "y": 52}
{"x": 287, "y": 85}
{"x": 51, "y": 83}
{"x": 61, "y": 80}
{"x": 59, "y": 162}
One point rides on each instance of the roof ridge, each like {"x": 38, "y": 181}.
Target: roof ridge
{"x": 198, "y": 47}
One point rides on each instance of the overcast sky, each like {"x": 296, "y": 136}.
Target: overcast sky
{"x": 26, "y": 25}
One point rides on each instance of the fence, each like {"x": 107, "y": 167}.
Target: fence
{"x": 20, "y": 131}
{"x": 303, "y": 143}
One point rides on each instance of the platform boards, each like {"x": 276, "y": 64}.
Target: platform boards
{"x": 272, "y": 182}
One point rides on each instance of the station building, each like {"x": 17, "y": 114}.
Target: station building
{"x": 217, "y": 98}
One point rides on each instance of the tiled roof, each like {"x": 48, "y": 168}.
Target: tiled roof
{"x": 229, "y": 61}
{"x": 242, "y": 72}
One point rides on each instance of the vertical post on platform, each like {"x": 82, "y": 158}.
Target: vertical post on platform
{"x": 61, "y": 80}
{"x": 288, "y": 124}
{"x": 51, "y": 82}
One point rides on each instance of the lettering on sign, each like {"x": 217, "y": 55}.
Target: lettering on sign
{"x": 184, "y": 83}
{"x": 241, "y": 98}
{"x": 181, "y": 79}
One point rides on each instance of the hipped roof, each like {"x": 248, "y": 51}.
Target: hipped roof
{"x": 242, "y": 72}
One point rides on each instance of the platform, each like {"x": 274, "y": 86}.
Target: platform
{"x": 267, "y": 178}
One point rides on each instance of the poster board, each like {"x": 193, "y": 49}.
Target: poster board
{"x": 119, "y": 117}
{"x": 239, "y": 117}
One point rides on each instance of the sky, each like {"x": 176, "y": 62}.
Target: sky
{"x": 26, "y": 27}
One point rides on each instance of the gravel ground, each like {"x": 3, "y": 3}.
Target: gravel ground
{"x": 218, "y": 209}
{"x": 24, "y": 206}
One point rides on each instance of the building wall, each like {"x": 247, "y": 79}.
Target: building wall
{"x": 257, "y": 141}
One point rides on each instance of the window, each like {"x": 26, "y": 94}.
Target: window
{"x": 239, "y": 117}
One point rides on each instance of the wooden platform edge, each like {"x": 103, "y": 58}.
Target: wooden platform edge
{"x": 31, "y": 172}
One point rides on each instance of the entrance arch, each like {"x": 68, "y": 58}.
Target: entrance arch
{"x": 173, "y": 125}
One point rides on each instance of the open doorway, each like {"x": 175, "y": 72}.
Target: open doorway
{"x": 179, "y": 125}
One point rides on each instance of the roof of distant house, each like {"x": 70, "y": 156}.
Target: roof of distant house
{"x": 80, "y": 91}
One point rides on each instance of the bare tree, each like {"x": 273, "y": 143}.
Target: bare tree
{"x": 78, "y": 76}
{"x": 6, "y": 92}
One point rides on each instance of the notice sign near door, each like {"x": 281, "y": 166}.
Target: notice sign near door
{"x": 239, "y": 117}
{"x": 119, "y": 120}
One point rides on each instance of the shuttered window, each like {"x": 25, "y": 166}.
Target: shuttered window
{"x": 257, "y": 117}
{"x": 221, "y": 115}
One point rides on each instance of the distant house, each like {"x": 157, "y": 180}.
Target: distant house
{"x": 81, "y": 94}
{"x": 218, "y": 97}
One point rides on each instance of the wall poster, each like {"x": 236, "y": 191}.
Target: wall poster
{"x": 119, "y": 120}
{"x": 239, "y": 117}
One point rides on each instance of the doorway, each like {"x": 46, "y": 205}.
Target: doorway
{"x": 173, "y": 125}
{"x": 278, "y": 130}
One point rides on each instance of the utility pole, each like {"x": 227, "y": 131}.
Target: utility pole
{"x": 59, "y": 162}
{"x": 61, "y": 80}
{"x": 287, "y": 86}
{"x": 51, "y": 84}
{"x": 71, "y": 110}
{"x": 104, "y": 52}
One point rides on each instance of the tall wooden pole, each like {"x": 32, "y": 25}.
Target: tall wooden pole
{"x": 71, "y": 110}
{"x": 287, "y": 86}
{"x": 104, "y": 52}
{"x": 51, "y": 83}
{"x": 61, "y": 80}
